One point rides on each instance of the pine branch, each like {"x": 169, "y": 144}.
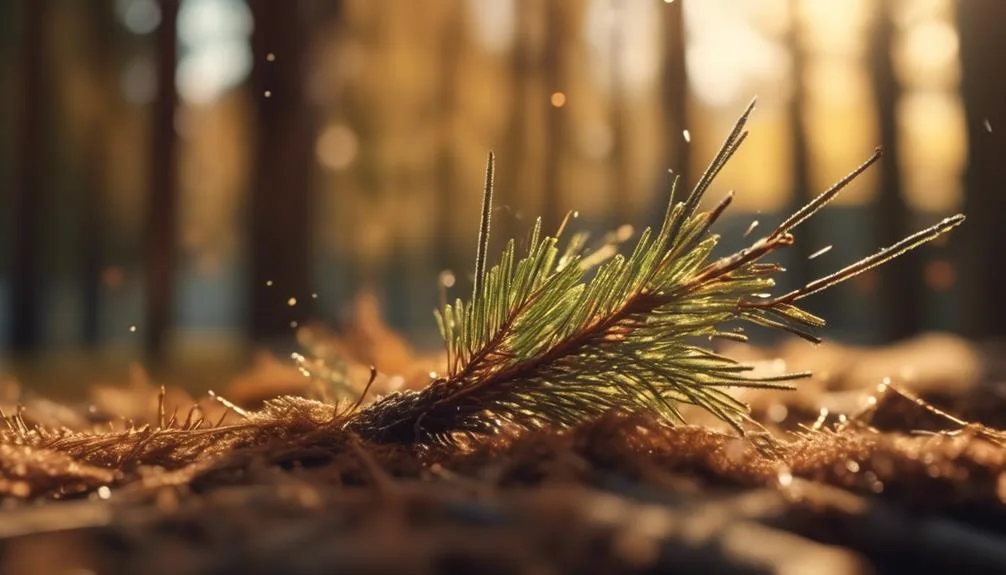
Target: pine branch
{"x": 548, "y": 341}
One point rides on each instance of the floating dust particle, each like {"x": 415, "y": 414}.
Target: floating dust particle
{"x": 852, "y": 466}
{"x": 104, "y": 492}
{"x": 687, "y": 135}
{"x": 268, "y": 283}
{"x": 940, "y": 275}
{"x": 820, "y": 252}
{"x": 751, "y": 228}
{"x": 112, "y": 276}
{"x": 988, "y": 126}
{"x": 314, "y": 296}
{"x": 294, "y": 324}
{"x": 270, "y": 57}
{"x": 291, "y": 302}
{"x": 447, "y": 278}
{"x": 268, "y": 94}
{"x": 132, "y": 328}
{"x": 558, "y": 99}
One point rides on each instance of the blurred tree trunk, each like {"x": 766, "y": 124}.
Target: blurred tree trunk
{"x": 555, "y": 129}
{"x": 162, "y": 207}
{"x": 675, "y": 104}
{"x": 281, "y": 195}
{"x": 32, "y": 182}
{"x": 10, "y": 23}
{"x": 674, "y": 89}
{"x": 983, "y": 42}
{"x": 899, "y": 286}
{"x": 800, "y": 269}
{"x": 104, "y": 64}
{"x": 622, "y": 194}
{"x": 512, "y": 162}
{"x": 446, "y": 193}
{"x": 91, "y": 230}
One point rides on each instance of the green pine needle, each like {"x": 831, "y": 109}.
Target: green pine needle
{"x": 548, "y": 341}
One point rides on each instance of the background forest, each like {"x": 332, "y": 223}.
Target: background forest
{"x": 183, "y": 179}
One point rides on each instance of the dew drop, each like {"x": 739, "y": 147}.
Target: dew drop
{"x": 821, "y": 418}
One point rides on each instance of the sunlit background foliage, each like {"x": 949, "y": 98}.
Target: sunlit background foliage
{"x": 588, "y": 104}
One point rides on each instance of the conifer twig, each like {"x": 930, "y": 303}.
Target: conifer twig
{"x": 542, "y": 343}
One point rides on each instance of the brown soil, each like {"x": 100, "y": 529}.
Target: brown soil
{"x": 885, "y": 480}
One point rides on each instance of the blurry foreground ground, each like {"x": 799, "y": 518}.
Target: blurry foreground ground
{"x": 866, "y": 478}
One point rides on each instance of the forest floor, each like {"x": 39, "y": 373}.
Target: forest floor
{"x": 899, "y": 475}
